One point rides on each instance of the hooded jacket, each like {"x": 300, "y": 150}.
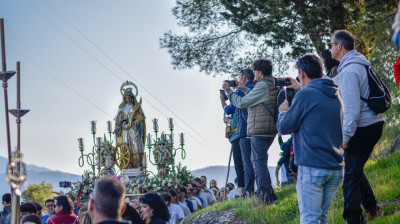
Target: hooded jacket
{"x": 315, "y": 118}
{"x": 352, "y": 80}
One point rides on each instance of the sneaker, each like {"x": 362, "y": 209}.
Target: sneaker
{"x": 378, "y": 214}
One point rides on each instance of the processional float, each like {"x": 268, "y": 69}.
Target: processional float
{"x": 16, "y": 169}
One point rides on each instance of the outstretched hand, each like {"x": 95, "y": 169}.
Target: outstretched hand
{"x": 294, "y": 84}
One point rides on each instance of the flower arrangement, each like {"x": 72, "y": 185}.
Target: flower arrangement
{"x": 85, "y": 187}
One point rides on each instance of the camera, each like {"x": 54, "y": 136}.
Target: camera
{"x": 282, "y": 82}
{"x": 224, "y": 94}
{"x": 231, "y": 83}
{"x": 65, "y": 184}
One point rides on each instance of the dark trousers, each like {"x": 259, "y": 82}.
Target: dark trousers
{"x": 249, "y": 178}
{"x": 356, "y": 188}
{"x": 259, "y": 155}
{"x": 237, "y": 158}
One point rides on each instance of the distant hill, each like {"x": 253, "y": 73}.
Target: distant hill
{"x": 35, "y": 175}
{"x": 219, "y": 174}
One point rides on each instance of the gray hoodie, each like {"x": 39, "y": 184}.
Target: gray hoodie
{"x": 352, "y": 80}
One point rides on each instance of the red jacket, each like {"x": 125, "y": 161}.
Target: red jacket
{"x": 397, "y": 70}
{"x": 64, "y": 217}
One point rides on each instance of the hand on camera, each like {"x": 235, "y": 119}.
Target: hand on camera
{"x": 225, "y": 86}
{"x": 295, "y": 85}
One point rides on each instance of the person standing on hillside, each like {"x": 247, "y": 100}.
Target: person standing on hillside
{"x": 261, "y": 128}
{"x": 318, "y": 151}
{"x": 362, "y": 127}
{"x": 6, "y": 202}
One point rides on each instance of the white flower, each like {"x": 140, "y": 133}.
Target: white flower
{"x": 154, "y": 185}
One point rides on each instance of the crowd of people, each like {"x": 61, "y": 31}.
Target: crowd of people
{"x": 331, "y": 124}
{"x": 169, "y": 207}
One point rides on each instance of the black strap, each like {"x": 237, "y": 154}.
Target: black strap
{"x": 272, "y": 115}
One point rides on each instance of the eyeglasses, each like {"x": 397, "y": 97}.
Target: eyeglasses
{"x": 55, "y": 206}
{"x": 330, "y": 45}
{"x": 49, "y": 206}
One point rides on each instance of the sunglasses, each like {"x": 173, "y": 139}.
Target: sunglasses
{"x": 330, "y": 45}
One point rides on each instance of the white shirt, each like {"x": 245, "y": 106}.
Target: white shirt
{"x": 232, "y": 194}
{"x": 173, "y": 219}
{"x": 184, "y": 207}
{"x": 283, "y": 174}
{"x": 208, "y": 195}
{"x": 178, "y": 210}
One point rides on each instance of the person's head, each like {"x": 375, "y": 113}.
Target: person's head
{"x": 134, "y": 202}
{"x": 84, "y": 218}
{"x": 27, "y": 208}
{"x": 262, "y": 68}
{"x": 190, "y": 191}
{"x": 131, "y": 214}
{"x": 341, "y": 43}
{"x": 309, "y": 67}
{"x": 196, "y": 190}
{"x": 246, "y": 75}
{"x": 224, "y": 192}
{"x": 231, "y": 186}
{"x": 39, "y": 209}
{"x": 197, "y": 180}
{"x": 84, "y": 208}
{"x": 215, "y": 191}
{"x": 213, "y": 183}
{"x": 6, "y": 199}
{"x": 329, "y": 62}
{"x": 152, "y": 206}
{"x": 48, "y": 204}
{"x": 203, "y": 181}
{"x": 31, "y": 219}
{"x": 107, "y": 202}
{"x": 182, "y": 193}
{"x": 174, "y": 198}
{"x": 63, "y": 203}
{"x": 166, "y": 197}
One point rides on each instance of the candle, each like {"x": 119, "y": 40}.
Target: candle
{"x": 109, "y": 126}
{"x": 182, "y": 138}
{"x": 93, "y": 126}
{"x": 80, "y": 140}
{"x": 149, "y": 140}
{"x": 171, "y": 124}
{"x": 18, "y": 86}
{"x": 108, "y": 161}
{"x": 155, "y": 124}
{"x": 98, "y": 142}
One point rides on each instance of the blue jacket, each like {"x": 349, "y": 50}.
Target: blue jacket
{"x": 315, "y": 117}
{"x": 242, "y": 113}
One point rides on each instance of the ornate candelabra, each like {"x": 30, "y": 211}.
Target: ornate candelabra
{"x": 95, "y": 158}
{"x": 163, "y": 148}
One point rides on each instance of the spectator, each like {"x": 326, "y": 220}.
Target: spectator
{"x": 76, "y": 210}
{"x": 6, "y": 202}
{"x": 176, "y": 203}
{"x": 318, "y": 151}
{"x": 27, "y": 208}
{"x": 284, "y": 162}
{"x": 29, "y": 219}
{"x": 213, "y": 184}
{"x": 234, "y": 192}
{"x": 205, "y": 192}
{"x": 183, "y": 198}
{"x": 232, "y": 122}
{"x": 396, "y": 71}
{"x": 362, "y": 127}
{"x": 215, "y": 191}
{"x": 130, "y": 214}
{"x": 153, "y": 209}
{"x": 173, "y": 216}
{"x": 39, "y": 209}
{"x": 107, "y": 203}
{"x": 196, "y": 195}
{"x": 48, "y": 204}
{"x": 330, "y": 64}
{"x": 83, "y": 215}
{"x": 195, "y": 201}
{"x": 223, "y": 194}
{"x": 63, "y": 207}
{"x": 261, "y": 127}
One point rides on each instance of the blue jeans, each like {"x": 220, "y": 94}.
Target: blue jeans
{"x": 259, "y": 156}
{"x": 237, "y": 159}
{"x": 245, "y": 146}
{"x": 316, "y": 188}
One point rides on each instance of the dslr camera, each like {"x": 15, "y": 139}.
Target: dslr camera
{"x": 282, "y": 82}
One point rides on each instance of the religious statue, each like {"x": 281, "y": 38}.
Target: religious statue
{"x": 130, "y": 126}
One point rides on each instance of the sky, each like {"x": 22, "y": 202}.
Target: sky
{"x": 67, "y": 81}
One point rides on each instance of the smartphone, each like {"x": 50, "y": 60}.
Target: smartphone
{"x": 224, "y": 94}
{"x": 282, "y": 82}
{"x": 231, "y": 83}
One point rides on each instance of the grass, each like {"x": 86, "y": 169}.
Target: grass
{"x": 384, "y": 177}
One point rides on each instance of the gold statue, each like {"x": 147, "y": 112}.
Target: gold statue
{"x": 130, "y": 129}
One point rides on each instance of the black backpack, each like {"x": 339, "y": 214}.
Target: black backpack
{"x": 379, "y": 99}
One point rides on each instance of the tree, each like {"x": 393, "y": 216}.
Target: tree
{"x": 227, "y": 35}
{"x": 38, "y": 192}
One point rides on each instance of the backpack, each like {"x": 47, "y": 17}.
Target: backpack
{"x": 379, "y": 99}
{"x": 281, "y": 97}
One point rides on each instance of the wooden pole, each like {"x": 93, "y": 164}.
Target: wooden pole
{"x": 227, "y": 175}
{"x": 3, "y": 46}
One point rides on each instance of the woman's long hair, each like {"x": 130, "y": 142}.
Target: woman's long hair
{"x": 160, "y": 210}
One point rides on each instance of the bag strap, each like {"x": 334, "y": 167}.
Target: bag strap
{"x": 272, "y": 115}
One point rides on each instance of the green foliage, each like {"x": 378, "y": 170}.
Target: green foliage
{"x": 38, "y": 192}
{"x": 384, "y": 177}
{"x": 227, "y": 35}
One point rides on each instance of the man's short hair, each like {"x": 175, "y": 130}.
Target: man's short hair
{"x": 48, "y": 200}
{"x": 172, "y": 192}
{"x": 311, "y": 65}
{"x": 108, "y": 197}
{"x": 345, "y": 38}
{"x": 6, "y": 197}
{"x": 30, "y": 219}
{"x": 263, "y": 65}
{"x": 248, "y": 73}
{"x": 38, "y": 206}
{"x": 197, "y": 180}
{"x": 28, "y": 207}
{"x": 166, "y": 197}
{"x": 66, "y": 202}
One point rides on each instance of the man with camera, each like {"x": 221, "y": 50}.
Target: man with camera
{"x": 261, "y": 127}
{"x": 315, "y": 118}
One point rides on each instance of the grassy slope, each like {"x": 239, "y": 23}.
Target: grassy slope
{"x": 384, "y": 177}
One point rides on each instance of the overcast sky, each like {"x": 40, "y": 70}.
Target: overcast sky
{"x": 67, "y": 82}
